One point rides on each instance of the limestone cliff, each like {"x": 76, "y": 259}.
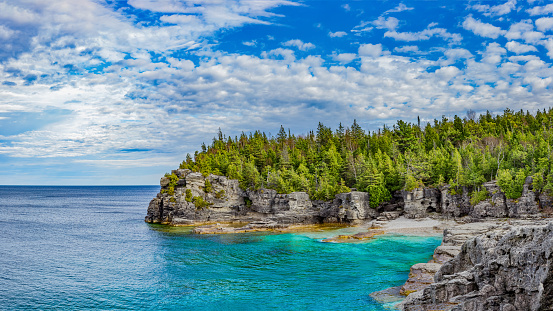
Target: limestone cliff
{"x": 506, "y": 269}
{"x": 195, "y": 199}
{"x": 226, "y": 202}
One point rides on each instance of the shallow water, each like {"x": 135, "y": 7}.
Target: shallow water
{"x": 89, "y": 248}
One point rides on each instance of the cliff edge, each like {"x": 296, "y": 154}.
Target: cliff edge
{"x": 506, "y": 269}
{"x": 189, "y": 198}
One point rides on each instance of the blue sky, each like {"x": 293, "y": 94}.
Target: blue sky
{"x": 117, "y": 92}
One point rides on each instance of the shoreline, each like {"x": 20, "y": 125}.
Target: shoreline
{"x": 402, "y": 226}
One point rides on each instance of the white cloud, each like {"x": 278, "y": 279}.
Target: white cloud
{"x": 518, "y": 30}
{"x": 519, "y": 48}
{"x": 541, "y": 10}
{"x": 496, "y": 10}
{"x": 17, "y": 15}
{"x": 337, "y": 34}
{"x": 5, "y": 32}
{"x": 362, "y": 28}
{"x": 250, "y": 43}
{"x": 286, "y": 54}
{"x": 524, "y": 30}
{"x": 549, "y": 46}
{"x": 179, "y": 19}
{"x": 456, "y": 54}
{"x": 452, "y": 56}
{"x": 538, "y": 84}
{"x": 389, "y": 23}
{"x": 447, "y": 73}
{"x": 137, "y": 102}
{"x": 544, "y": 23}
{"x": 302, "y": 46}
{"x": 407, "y": 49}
{"x": 372, "y": 50}
{"x": 423, "y": 35}
{"x": 344, "y": 58}
{"x": 482, "y": 29}
{"x": 400, "y": 8}
{"x": 532, "y": 36}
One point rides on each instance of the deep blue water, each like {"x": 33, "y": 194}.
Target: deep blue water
{"x": 88, "y": 248}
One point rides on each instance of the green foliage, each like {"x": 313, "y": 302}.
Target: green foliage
{"x": 464, "y": 152}
{"x": 188, "y": 196}
{"x": 220, "y": 194}
{"x": 208, "y": 187}
{"x": 511, "y": 185}
{"x": 200, "y": 203}
{"x": 377, "y": 190}
{"x": 538, "y": 183}
{"x": 478, "y": 195}
{"x": 548, "y": 187}
{"x": 173, "y": 180}
{"x": 342, "y": 188}
{"x": 412, "y": 183}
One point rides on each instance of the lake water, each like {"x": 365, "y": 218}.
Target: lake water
{"x": 81, "y": 248}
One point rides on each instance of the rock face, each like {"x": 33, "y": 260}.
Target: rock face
{"x": 420, "y": 202}
{"x": 226, "y": 202}
{"x": 507, "y": 268}
{"x": 495, "y": 206}
{"x": 195, "y": 199}
{"x": 422, "y": 274}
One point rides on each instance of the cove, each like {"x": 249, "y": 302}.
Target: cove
{"x": 88, "y": 248}
{"x": 260, "y": 271}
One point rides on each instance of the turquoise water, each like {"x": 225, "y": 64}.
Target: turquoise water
{"x": 88, "y": 248}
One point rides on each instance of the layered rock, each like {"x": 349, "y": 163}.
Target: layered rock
{"x": 420, "y": 202}
{"x": 190, "y": 201}
{"x": 507, "y": 268}
{"x": 226, "y": 202}
{"x": 422, "y": 274}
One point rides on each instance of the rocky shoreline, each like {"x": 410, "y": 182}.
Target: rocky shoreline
{"x": 490, "y": 257}
{"x": 499, "y": 266}
{"x": 194, "y": 199}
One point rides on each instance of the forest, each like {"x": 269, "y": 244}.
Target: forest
{"x": 461, "y": 152}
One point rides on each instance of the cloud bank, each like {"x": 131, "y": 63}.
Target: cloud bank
{"x": 130, "y": 88}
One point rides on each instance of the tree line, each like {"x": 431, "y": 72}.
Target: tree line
{"x": 462, "y": 152}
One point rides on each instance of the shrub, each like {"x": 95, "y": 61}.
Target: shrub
{"x": 188, "y": 197}
{"x": 208, "y": 187}
{"x": 220, "y": 194}
{"x": 200, "y": 203}
{"x": 173, "y": 180}
{"x": 511, "y": 186}
{"x": 412, "y": 183}
{"x": 478, "y": 196}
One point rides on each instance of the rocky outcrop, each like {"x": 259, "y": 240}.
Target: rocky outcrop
{"x": 195, "y": 199}
{"x": 509, "y": 267}
{"x": 420, "y": 202}
{"x": 526, "y": 205}
{"x": 495, "y": 206}
{"x": 422, "y": 274}
{"x": 191, "y": 202}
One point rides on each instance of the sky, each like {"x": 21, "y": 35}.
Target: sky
{"x": 110, "y": 92}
